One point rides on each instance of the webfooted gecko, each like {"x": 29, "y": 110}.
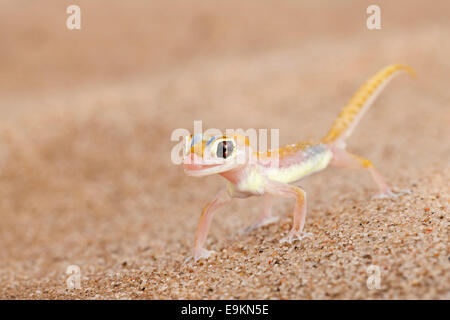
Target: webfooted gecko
{"x": 255, "y": 176}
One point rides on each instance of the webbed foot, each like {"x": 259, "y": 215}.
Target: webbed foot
{"x": 199, "y": 254}
{"x": 295, "y": 235}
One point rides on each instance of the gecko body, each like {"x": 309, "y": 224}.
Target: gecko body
{"x": 252, "y": 173}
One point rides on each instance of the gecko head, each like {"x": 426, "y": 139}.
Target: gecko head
{"x": 206, "y": 155}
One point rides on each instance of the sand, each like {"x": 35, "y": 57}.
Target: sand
{"x": 86, "y": 177}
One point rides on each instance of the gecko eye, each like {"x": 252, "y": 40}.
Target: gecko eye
{"x": 225, "y": 149}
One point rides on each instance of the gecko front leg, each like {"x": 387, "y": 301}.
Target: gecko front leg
{"x": 205, "y": 222}
{"x": 291, "y": 191}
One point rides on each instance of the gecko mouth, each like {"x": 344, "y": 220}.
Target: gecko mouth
{"x": 197, "y": 170}
{"x": 196, "y": 167}
{"x": 205, "y": 170}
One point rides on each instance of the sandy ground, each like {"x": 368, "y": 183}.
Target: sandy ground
{"x": 86, "y": 177}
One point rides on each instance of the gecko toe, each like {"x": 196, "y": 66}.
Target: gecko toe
{"x": 295, "y": 236}
{"x": 189, "y": 258}
{"x": 201, "y": 254}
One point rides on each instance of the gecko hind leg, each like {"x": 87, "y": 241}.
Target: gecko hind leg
{"x": 344, "y": 159}
{"x": 266, "y": 216}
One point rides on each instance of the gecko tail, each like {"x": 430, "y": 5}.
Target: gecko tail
{"x": 361, "y": 101}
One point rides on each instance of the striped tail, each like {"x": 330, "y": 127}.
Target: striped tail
{"x": 361, "y": 101}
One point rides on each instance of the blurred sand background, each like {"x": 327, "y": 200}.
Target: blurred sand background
{"x": 85, "y": 171}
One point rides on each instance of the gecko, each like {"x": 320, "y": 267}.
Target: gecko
{"x": 253, "y": 176}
